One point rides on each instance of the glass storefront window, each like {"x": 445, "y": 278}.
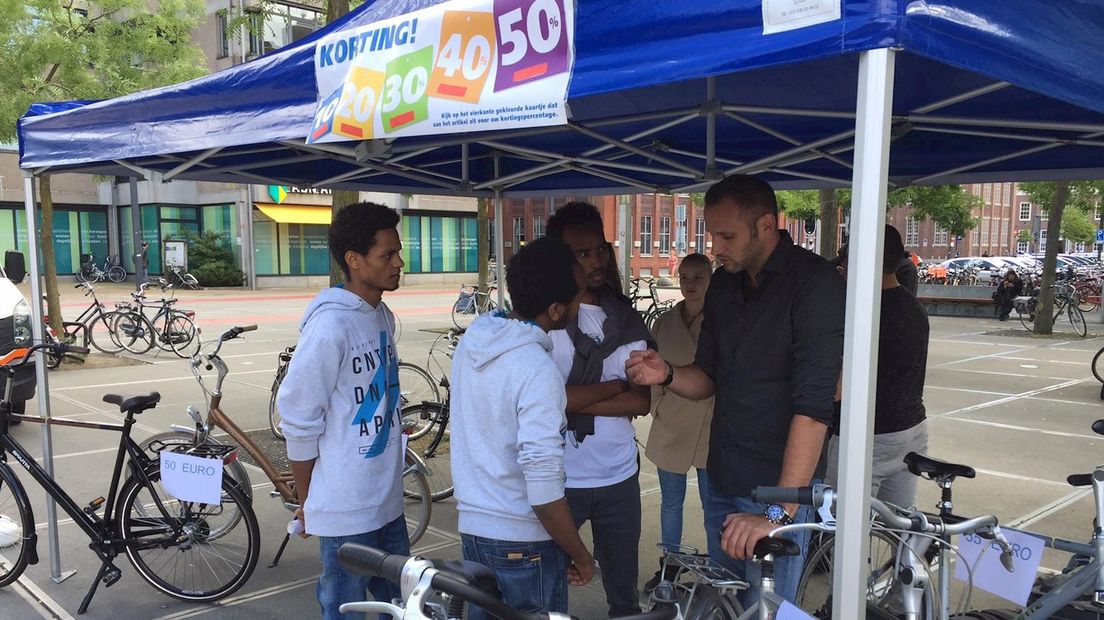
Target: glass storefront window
{"x": 439, "y": 243}
{"x": 76, "y": 232}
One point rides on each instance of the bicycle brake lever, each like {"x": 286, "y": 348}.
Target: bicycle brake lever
{"x": 1007, "y": 557}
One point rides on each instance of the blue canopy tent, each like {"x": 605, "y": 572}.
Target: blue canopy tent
{"x": 669, "y": 97}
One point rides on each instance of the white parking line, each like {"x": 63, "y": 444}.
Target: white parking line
{"x": 1008, "y": 399}
{"x": 103, "y": 385}
{"x": 951, "y": 389}
{"x": 40, "y": 601}
{"x": 1027, "y": 429}
{"x": 243, "y": 598}
{"x": 1049, "y": 509}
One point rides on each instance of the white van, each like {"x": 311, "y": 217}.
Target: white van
{"x": 15, "y": 328}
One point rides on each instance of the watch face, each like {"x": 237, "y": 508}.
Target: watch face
{"x": 775, "y": 512}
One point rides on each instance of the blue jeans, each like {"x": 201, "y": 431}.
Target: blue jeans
{"x": 672, "y": 492}
{"x": 787, "y": 570}
{"x": 531, "y": 576}
{"x": 337, "y": 586}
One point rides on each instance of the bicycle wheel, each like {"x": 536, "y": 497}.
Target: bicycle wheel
{"x": 1027, "y": 319}
{"x": 116, "y": 274}
{"x": 180, "y": 332}
{"x": 417, "y": 500}
{"x": 274, "y": 411}
{"x": 100, "y": 331}
{"x": 398, "y": 328}
{"x": 1098, "y": 365}
{"x": 464, "y": 311}
{"x": 433, "y": 447}
{"x": 133, "y": 332}
{"x": 16, "y": 527}
{"x": 190, "y": 281}
{"x": 704, "y": 602}
{"x": 1077, "y": 319}
{"x": 174, "y": 549}
{"x": 416, "y": 386}
{"x": 814, "y": 590}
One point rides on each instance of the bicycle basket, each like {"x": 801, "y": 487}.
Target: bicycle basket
{"x": 465, "y": 303}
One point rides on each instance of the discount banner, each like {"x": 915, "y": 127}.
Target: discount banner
{"x": 462, "y": 65}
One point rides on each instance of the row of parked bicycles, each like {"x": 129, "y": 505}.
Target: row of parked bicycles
{"x": 112, "y": 271}
{"x": 137, "y": 325}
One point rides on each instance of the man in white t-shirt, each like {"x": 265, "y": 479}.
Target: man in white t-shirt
{"x": 600, "y": 457}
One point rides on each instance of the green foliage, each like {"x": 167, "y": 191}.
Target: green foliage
{"x": 949, "y": 206}
{"x": 799, "y": 204}
{"x": 1078, "y": 226}
{"x": 1025, "y": 236}
{"x": 1085, "y": 196}
{"x": 211, "y": 260}
{"x": 98, "y": 49}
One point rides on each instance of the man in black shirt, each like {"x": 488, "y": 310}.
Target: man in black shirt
{"x": 770, "y": 351}
{"x": 899, "y": 414}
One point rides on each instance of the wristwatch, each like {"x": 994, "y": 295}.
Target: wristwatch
{"x": 777, "y": 515}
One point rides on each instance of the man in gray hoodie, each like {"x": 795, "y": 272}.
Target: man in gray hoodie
{"x": 340, "y": 408}
{"x": 507, "y": 438}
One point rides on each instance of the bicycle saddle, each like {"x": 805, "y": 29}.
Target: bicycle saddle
{"x": 919, "y": 465}
{"x": 133, "y": 404}
{"x": 472, "y": 573}
{"x": 1098, "y": 427}
{"x": 777, "y": 547}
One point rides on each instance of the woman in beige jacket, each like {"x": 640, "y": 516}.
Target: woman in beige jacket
{"x": 679, "y": 437}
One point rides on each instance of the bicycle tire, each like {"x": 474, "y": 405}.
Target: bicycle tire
{"x": 176, "y": 543}
{"x": 704, "y": 602}
{"x": 133, "y": 332}
{"x": 434, "y": 448}
{"x": 1027, "y": 319}
{"x": 814, "y": 589}
{"x": 416, "y": 386}
{"x": 190, "y": 282}
{"x": 1098, "y": 366}
{"x": 81, "y": 276}
{"x": 100, "y": 333}
{"x": 417, "y": 500}
{"x": 117, "y": 274}
{"x": 274, "y": 418}
{"x": 462, "y": 319}
{"x": 180, "y": 331}
{"x": 398, "y": 328}
{"x": 16, "y": 526}
{"x": 1077, "y": 320}
{"x": 234, "y": 469}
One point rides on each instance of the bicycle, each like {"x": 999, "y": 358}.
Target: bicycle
{"x": 1066, "y": 298}
{"x": 473, "y": 303}
{"x": 429, "y": 421}
{"x": 178, "y": 276}
{"x": 415, "y": 385}
{"x": 166, "y": 539}
{"x": 415, "y": 487}
{"x": 697, "y": 586}
{"x": 440, "y": 589}
{"x": 655, "y": 307}
{"x": 91, "y": 272}
{"x": 899, "y": 571}
{"x": 94, "y": 326}
{"x": 170, "y": 329}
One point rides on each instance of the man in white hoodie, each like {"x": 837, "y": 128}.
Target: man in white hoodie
{"x": 507, "y": 437}
{"x": 340, "y": 408}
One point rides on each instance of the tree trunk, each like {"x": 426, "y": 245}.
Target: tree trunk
{"x": 49, "y": 260}
{"x": 829, "y": 223}
{"x": 483, "y": 240}
{"x": 1044, "y": 314}
{"x": 342, "y": 198}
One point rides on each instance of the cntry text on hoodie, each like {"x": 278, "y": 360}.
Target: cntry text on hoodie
{"x": 507, "y": 420}
{"x": 339, "y": 404}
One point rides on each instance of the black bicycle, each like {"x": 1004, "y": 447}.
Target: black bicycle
{"x": 94, "y": 325}
{"x": 169, "y": 541}
{"x": 91, "y": 272}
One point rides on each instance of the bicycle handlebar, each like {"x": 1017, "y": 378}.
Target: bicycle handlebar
{"x": 60, "y": 348}
{"x": 234, "y": 332}
{"x": 374, "y": 562}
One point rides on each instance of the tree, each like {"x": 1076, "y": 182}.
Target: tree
{"x": 1024, "y": 236}
{"x": 949, "y": 206}
{"x": 97, "y": 49}
{"x": 829, "y": 222}
{"x": 1053, "y": 197}
{"x": 1078, "y": 226}
{"x": 799, "y": 204}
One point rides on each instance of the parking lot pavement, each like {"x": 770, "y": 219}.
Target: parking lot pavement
{"x": 1015, "y": 407}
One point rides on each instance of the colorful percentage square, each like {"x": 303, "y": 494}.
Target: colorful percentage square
{"x": 355, "y": 114}
{"x": 532, "y": 41}
{"x": 405, "y": 100}
{"x": 464, "y": 56}
{"x": 323, "y": 117}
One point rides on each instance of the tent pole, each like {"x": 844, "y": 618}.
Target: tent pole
{"x": 860, "y": 352}
{"x": 141, "y": 272}
{"x": 41, "y": 378}
{"x": 711, "y": 128}
{"x": 500, "y": 243}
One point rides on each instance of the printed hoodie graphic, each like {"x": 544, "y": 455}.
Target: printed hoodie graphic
{"x": 384, "y": 387}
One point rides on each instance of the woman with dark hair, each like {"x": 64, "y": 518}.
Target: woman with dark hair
{"x": 1009, "y": 289}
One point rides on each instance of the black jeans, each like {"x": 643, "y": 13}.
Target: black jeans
{"x": 614, "y": 515}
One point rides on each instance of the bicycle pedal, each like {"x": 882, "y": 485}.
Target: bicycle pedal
{"x": 112, "y": 576}
{"x": 94, "y": 505}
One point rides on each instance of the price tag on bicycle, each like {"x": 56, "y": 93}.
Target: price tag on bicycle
{"x": 191, "y": 478}
{"x": 983, "y": 557}
{"x": 789, "y": 611}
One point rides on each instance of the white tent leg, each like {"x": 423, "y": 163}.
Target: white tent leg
{"x": 41, "y": 379}
{"x": 500, "y": 243}
{"x": 860, "y": 352}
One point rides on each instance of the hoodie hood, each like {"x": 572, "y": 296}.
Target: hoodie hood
{"x": 492, "y": 335}
{"x": 334, "y": 298}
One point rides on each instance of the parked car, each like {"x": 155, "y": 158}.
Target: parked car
{"x": 15, "y": 329}
{"x": 988, "y": 267}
